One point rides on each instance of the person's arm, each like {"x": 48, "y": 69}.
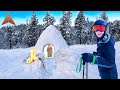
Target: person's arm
{"x": 109, "y": 53}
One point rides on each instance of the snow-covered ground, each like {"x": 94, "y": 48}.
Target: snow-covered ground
{"x": 63, "y": 66}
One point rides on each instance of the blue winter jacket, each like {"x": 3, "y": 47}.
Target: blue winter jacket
{"x": 105, "y": 58}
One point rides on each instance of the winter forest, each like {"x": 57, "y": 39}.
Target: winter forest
{"x": 26, "y": 35}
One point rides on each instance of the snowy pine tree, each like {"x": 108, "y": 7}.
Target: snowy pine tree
{"x": 65, "y": 26}
{"x": 33, "y": 21}
{"x": 86, "y": 39}
{"x": 111, "y": 27}
{"x": 49, "y": 20}
{"x": 104, "y": 16}
{"x": 20, "y": 35}
{"x": 116, "y": 30}
{"x": 79, "y": 25}
{"x": 8, "y": 35}
{"x": 14, "y": 40}
{"x": 32, "y": 35}
{"x": 2, "y": 38}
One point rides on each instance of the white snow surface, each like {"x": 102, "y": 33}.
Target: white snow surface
{"x": 63, "y": 66}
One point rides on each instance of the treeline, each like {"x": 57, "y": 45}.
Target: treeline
{"x": 26, "y": 35}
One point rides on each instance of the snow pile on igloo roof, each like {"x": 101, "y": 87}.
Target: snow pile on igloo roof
{"x": 51, "y": 36}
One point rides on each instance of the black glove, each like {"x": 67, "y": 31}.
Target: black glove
{"x": 87, "y": 57}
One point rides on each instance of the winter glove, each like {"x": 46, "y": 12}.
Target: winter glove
{"x": 88, "y": 57}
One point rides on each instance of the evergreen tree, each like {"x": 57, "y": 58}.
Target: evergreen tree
{"x": 8, "y": 36}
{"x": 49, "y": 20}
{"x": 116, "y": 30}
{"x": 31, "y": 35}
{"x": 20, "y": 35}
{"x": 85, "y": 33}
{"x": 2, "y": 38}
{"x": 14, "y": 40}
{"x": 104, "y": 16}
{"x": 65, "y": 26}
{"x": 79, "y": 25}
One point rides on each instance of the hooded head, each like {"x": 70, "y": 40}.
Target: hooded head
{"x": 101, "y": 30}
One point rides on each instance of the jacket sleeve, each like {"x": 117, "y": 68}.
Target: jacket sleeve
{"x": 109, "y": 57}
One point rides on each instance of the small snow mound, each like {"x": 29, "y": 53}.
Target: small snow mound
{"x": 33, "y": 67}
{"x": 51, "y": 36}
